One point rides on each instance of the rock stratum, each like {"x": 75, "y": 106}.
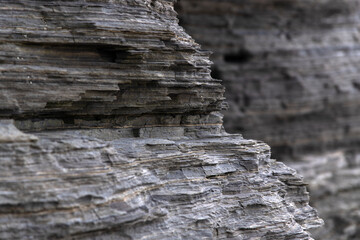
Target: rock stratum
{"x": 111, "y": 129}
{"x": 291, "y": 72}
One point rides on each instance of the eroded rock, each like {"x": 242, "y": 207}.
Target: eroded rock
{"x": 70, "y": 184}
{"x": 121, "y": 135}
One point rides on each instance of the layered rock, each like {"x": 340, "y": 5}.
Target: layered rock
{"x": 96, "y": 64}
{"x": 111, "y": 130}
{"x": 83, "y": 185}
{"x": 292, "y": 79}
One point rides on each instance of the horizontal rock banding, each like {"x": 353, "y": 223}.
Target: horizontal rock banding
{"x": 116, "y": 133}
{"x": 71, "y": 184}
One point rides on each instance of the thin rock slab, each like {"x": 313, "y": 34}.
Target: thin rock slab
{"x": 69, "y": 184}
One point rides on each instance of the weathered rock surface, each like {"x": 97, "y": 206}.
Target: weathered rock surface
{"x": 112, "y": 130}
{"x": 71, "y": 184}
{"x": 292, "y": 79}
{"x": 74, "y": 64}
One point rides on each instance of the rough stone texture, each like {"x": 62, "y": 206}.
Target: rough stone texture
{"x": 291, "y": 71}
{"x": 112, "y": 130}
{"x": 99, "y": 63}
{"x": 71, "y": 184}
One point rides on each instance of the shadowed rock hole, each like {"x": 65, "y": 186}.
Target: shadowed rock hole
{"x": 69, "y": 120}
{"x": 215, "y": 73}
{"x": 136, "y": 132}
{"x": 242, "y": 56}
{"x": 356, "y": 85}
{"x": 247, "y": 100}
{"x": 112, "y": 55}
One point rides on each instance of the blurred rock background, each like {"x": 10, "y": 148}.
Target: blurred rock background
{"x": 292, "y": 74}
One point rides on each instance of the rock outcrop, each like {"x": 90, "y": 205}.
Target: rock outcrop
{"x": 292, "y": 79}
{"x": 111, "y": 130}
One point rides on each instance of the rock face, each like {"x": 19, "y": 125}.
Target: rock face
{"x": 82, "y": 185}
{"x": 111, "y": 130}
{"x": 292, "y": 79}
{"x": 100, "y": 64}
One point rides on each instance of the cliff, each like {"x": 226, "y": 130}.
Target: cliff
{"x": 111, "y": 129}
{"x": 291, "y": 74}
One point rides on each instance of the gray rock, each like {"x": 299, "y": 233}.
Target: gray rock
{"x": 68, "y": 184}
{"x": 115, "y": 133}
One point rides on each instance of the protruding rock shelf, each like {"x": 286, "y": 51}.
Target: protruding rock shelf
{"x": 111, "y": 130}
{"x": 73, "y": 184}
{"x": 101, "y": 64}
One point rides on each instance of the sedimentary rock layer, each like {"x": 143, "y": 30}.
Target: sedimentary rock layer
{"x": 70, "y": 184}
{"x": 95, "y": 63}
{"x": 291, "y": 71}
{"x": 113, "y": 131}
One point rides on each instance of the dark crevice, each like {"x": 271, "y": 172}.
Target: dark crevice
{"x": 82, "y": 51}
{"x": 136, "y": 132}
{"x": 33, "y": 207}
{"x": 242, "y": 56}
{"x": 68, "y": 120}
{"x": 247, "y": 100}
{"x": 356, "y": 85}
{"x": 111, "y": 55}
{"x": 215, "y": 73}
